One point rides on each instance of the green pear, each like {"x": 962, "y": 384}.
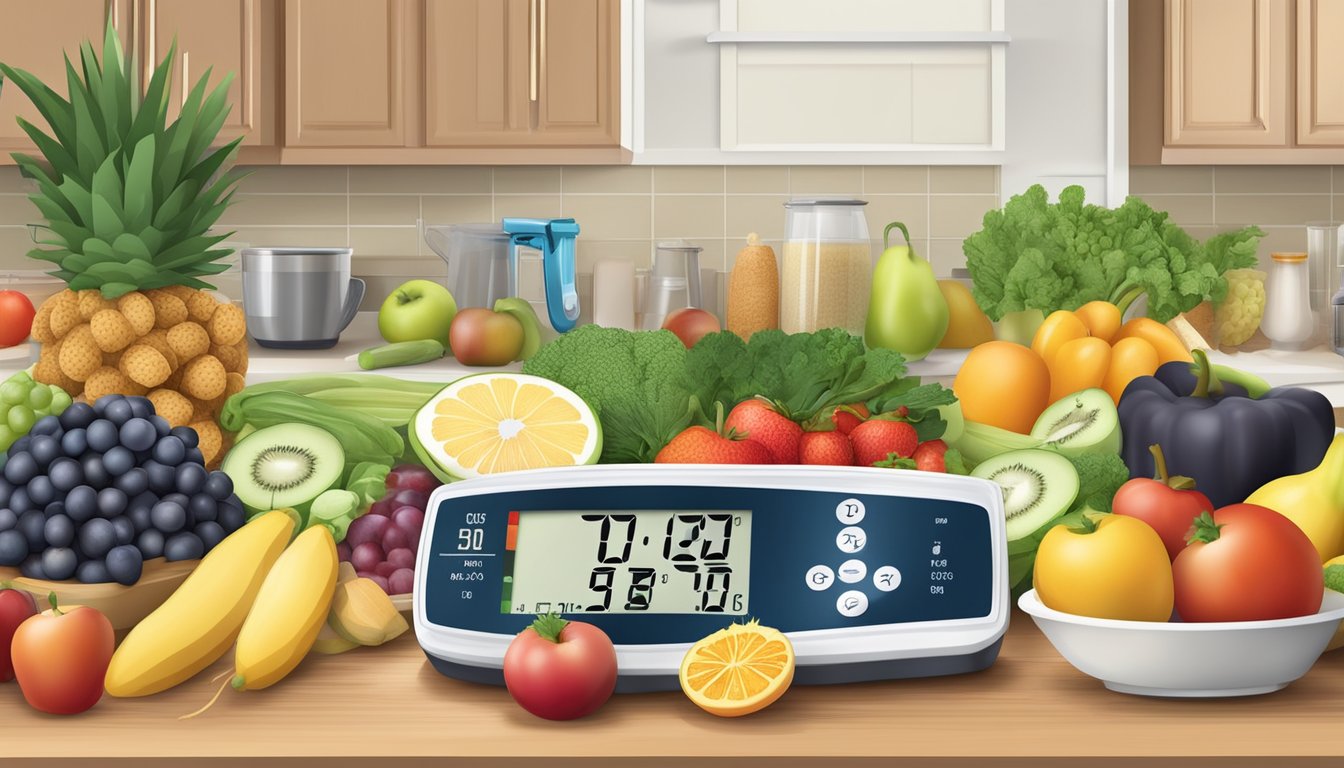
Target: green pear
{"x": 906, "y": 310}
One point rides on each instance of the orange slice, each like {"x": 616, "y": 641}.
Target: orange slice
{"x": 738, "y": 670}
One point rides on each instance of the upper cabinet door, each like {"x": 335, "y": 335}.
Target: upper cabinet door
{"x": 345, "y": 73}
{"x": 1228, "y": 73}
{"x": 224, "y": 36}
{"x": 477, "y": 54}
{"x": 578, "y": 79}
{"x": 35, "y": 36}
{"x": 1320, "y": 72}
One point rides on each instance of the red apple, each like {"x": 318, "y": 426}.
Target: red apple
{"x": 690, "y": 324}
{"x": 479, "y": 336}
{"x": 1168, "y": 504}
{"x": 15, "y": 608}
{"x": 61, "y": 658}
{"x": 16, "y": 318}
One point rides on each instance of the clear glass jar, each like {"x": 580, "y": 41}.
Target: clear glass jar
{"x": 1288, "y": 321}
{"x": 827, "y": 266}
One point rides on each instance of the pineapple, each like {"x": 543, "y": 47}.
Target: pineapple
{"x": 129, "y": 200}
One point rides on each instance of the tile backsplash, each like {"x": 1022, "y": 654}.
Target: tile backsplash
{"x": 622, "y": 210}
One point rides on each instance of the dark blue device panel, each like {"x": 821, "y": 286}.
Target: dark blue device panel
{"x": 918, "y": 559}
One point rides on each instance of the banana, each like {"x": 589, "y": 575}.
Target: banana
{"x": 288, "y": 613}
{"x": 521, "y": 309}
{"x": 198, "y": 623}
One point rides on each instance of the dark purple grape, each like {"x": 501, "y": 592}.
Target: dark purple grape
{"x": 81, "y": 504}
{"x": 194, "y": 456}
{"x": 367, "y": 528}
{"x": 20, "y": 445}
{"x": 118, "y": 412}
{"x": 77, "y": 416}
{"x": 366, "y": 556}
{"x": 210, "y": 533}
{"x": 396, "y": 538}
{"x": 125, "y": 563}
{"x": 45, "y": 449}
{"x": 170, "y": 451}
{"x": 168, "y": 516}
{"x": 150, "y": 543}
{"x": 47, "y": 425}
{"x": 219, "y": 486}
{"x": 93, "y": 572}
{"x": 124, "y": 528}
{"x": 183, "y": 546}
{"x": 132, "y": 483}
{"x": 410, "y": 476}
{"x": 8, "y": 519}
{"x": 59, "y": 563}
{"x": 112, "y": 503}
{"x": 53, "y": 509}
{"x": 376, "y": 579}
{"x": 161, "y": 476}
{"x": 118, "y": 461}
{"x": 203, "y": 508}
{"x": 20, "y": 468}
{"x": 191, "y": 478}
{"x": 59, "y": 531}
{"x": 343, "y": 551}
{"x": 13, "y": 548}
{"x": 75, "y": 442}
{"x": 100, "y": 405}
{"x": 101, "y": 435}
{"x": 95, "y": 474}
{"x": 40, "y": 491}
{"x": 32, "y": 525}
{"x": 96, "y": 537}
{"x": 161, "y": 426}
{"x": 231, "y": 517}
{"x": 402, "y": 558}
{"x": 18, "y": 500}
{"x": 6, "y": 488}
{"x": 410, "y": 498}
{"x": 187, "y": 435}
{"x": 178, "y": 498}
{"x": 141, "y": 407}
{"x": 32, "y": 567}
{"x": 138, "y": 434}
{"x": 65, "y": 474}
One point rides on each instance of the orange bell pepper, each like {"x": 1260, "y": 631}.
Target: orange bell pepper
{"x": 1090, "y": 348}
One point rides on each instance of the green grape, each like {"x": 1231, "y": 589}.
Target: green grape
{"x": 21, "y": 418}
{"x": 40, "y": 398}
{"x": 7, "y": 437}
{"x": 60, "y": 400}
{"x": 13, "y": 392}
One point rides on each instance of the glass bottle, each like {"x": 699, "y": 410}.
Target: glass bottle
{"x": 1288, "y": 322}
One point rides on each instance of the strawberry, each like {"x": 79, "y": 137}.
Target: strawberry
{"x": 758, "y": 420}
{"x": 929, "y": 458}
{"x": 847, "y": 417}
{"x": 874, "y": 439}
{"x": 702, "y": 445}
{"x": 826, "y": 448}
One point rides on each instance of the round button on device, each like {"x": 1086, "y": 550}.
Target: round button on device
{"x": 851, "y": 539}
{"x": 850, "y": 511}
{"x": 852, "y": 603}
{"x": 886, "y": 578}
{"x": 853, "y": 571}
{"x": 819, "y": 577}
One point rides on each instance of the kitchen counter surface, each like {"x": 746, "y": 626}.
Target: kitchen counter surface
{"x": 387, "y": 706}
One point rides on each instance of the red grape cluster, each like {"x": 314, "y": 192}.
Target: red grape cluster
{"x": 382, "y": 544}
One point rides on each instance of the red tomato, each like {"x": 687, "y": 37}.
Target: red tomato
{"x": 559, "y": 669}
{"x": 1169, "y": 511}
{"x": 16, "y": 318}
{"x": 1247, "y": 563}
{"x": 61, "y": 657}
{"x": 15, "y": 608}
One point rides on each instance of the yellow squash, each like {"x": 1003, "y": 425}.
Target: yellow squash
{"x": 198, "y": 623}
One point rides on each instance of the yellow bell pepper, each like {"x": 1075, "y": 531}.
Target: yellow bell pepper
{"x": 1089, "y": 347}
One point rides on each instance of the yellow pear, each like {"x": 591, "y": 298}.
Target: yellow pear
{"x": 968, "y": 325}
{"x": 1313, "y": 500}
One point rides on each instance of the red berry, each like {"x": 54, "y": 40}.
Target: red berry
{"x": 757, "y": 420}
{"x": 701, "y": 445}
{"x": 929, "y": 459}
{"x": 875, "y": 439}
{"x": 844, "y": 421}
{"x": 933, "y": 445}
{"x": 832, "y": 448}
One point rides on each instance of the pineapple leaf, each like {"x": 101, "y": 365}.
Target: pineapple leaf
{"x": 214, "y": 268}
{"x": 49, "y": 207}
{"x": 31, "y": 168}
{"x": 107, "y": 222}
{"x": 55, "y": 153}
{"x": 54, "y": 109}
{"x": 129, "y": 246}
{"x": 205, "y": 170}
{"x": 132, "y": 272}
{"x": 187, "y": 252}
{"x": 176, "y": 202}
{"x": 116, "y": 290}
{"x": 213, "y": 113}
{"x": 154, "y": 110}
{"x": 107, "y": 183}
{"x": 139, "y": 187}
{"x": 54, "y": 257}
{"x": 79, "y": 263}
{"x": 93, "y": 77}
{"x": 95, "y": 250}
{"x": 153, "y": 239}
{"x": 79, "y": 197}
{"x": 71, "y": 235}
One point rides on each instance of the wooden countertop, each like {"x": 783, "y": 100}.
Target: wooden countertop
{"x": 387, "y": 707}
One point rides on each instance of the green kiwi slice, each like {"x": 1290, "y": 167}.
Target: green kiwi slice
{"x": 1038, "y": 486}
{"x": 287, "y": 465}
{"x": 1084, "y": 422}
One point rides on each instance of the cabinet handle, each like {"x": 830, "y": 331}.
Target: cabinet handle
{"x": 151, "y": 39}
{"x": 186, "y": 78}
{"x": 532, "y": 54}
{"x": 541, "y": 53}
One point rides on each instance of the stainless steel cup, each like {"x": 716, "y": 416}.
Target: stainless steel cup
{"x": 299, "y": 298}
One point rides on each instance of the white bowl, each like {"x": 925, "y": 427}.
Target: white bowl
{"x": 1239, "y": 658}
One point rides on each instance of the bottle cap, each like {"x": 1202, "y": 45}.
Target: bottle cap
{"x": 1291, "y": 257}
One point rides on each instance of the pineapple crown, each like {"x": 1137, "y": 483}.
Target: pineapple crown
{"x": 128, "y": 198}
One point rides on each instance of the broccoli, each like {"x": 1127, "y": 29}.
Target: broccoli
{"x": 1100, "y": 475}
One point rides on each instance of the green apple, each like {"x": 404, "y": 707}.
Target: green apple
{"x": 419, "y": 309}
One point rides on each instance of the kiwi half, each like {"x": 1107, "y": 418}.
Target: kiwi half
{"x": 1084, "y": 422}
{"x": 1038, "y": 486}
{"x": 287, "y": 465}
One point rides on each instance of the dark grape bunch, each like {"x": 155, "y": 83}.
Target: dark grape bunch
{"x": 382, "y": 544}
{"x": 93, "y": 493}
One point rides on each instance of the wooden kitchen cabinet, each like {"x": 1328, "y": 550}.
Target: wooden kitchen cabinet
{"x": 235, "y": 36}
{"x": 1320, "y": 73}
{"x": 524, "y": 73}
{"x": 345, "y": 73}
{"x": 34, "y": 36}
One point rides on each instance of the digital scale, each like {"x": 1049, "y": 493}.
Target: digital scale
{"x": 873, "y": 574}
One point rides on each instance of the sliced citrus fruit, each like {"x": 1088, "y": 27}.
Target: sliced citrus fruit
{"x": 738, "y": 670}
{"x": 500, "y": 422}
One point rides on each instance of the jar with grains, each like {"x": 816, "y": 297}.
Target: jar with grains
{"x": 827, "y": 266}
